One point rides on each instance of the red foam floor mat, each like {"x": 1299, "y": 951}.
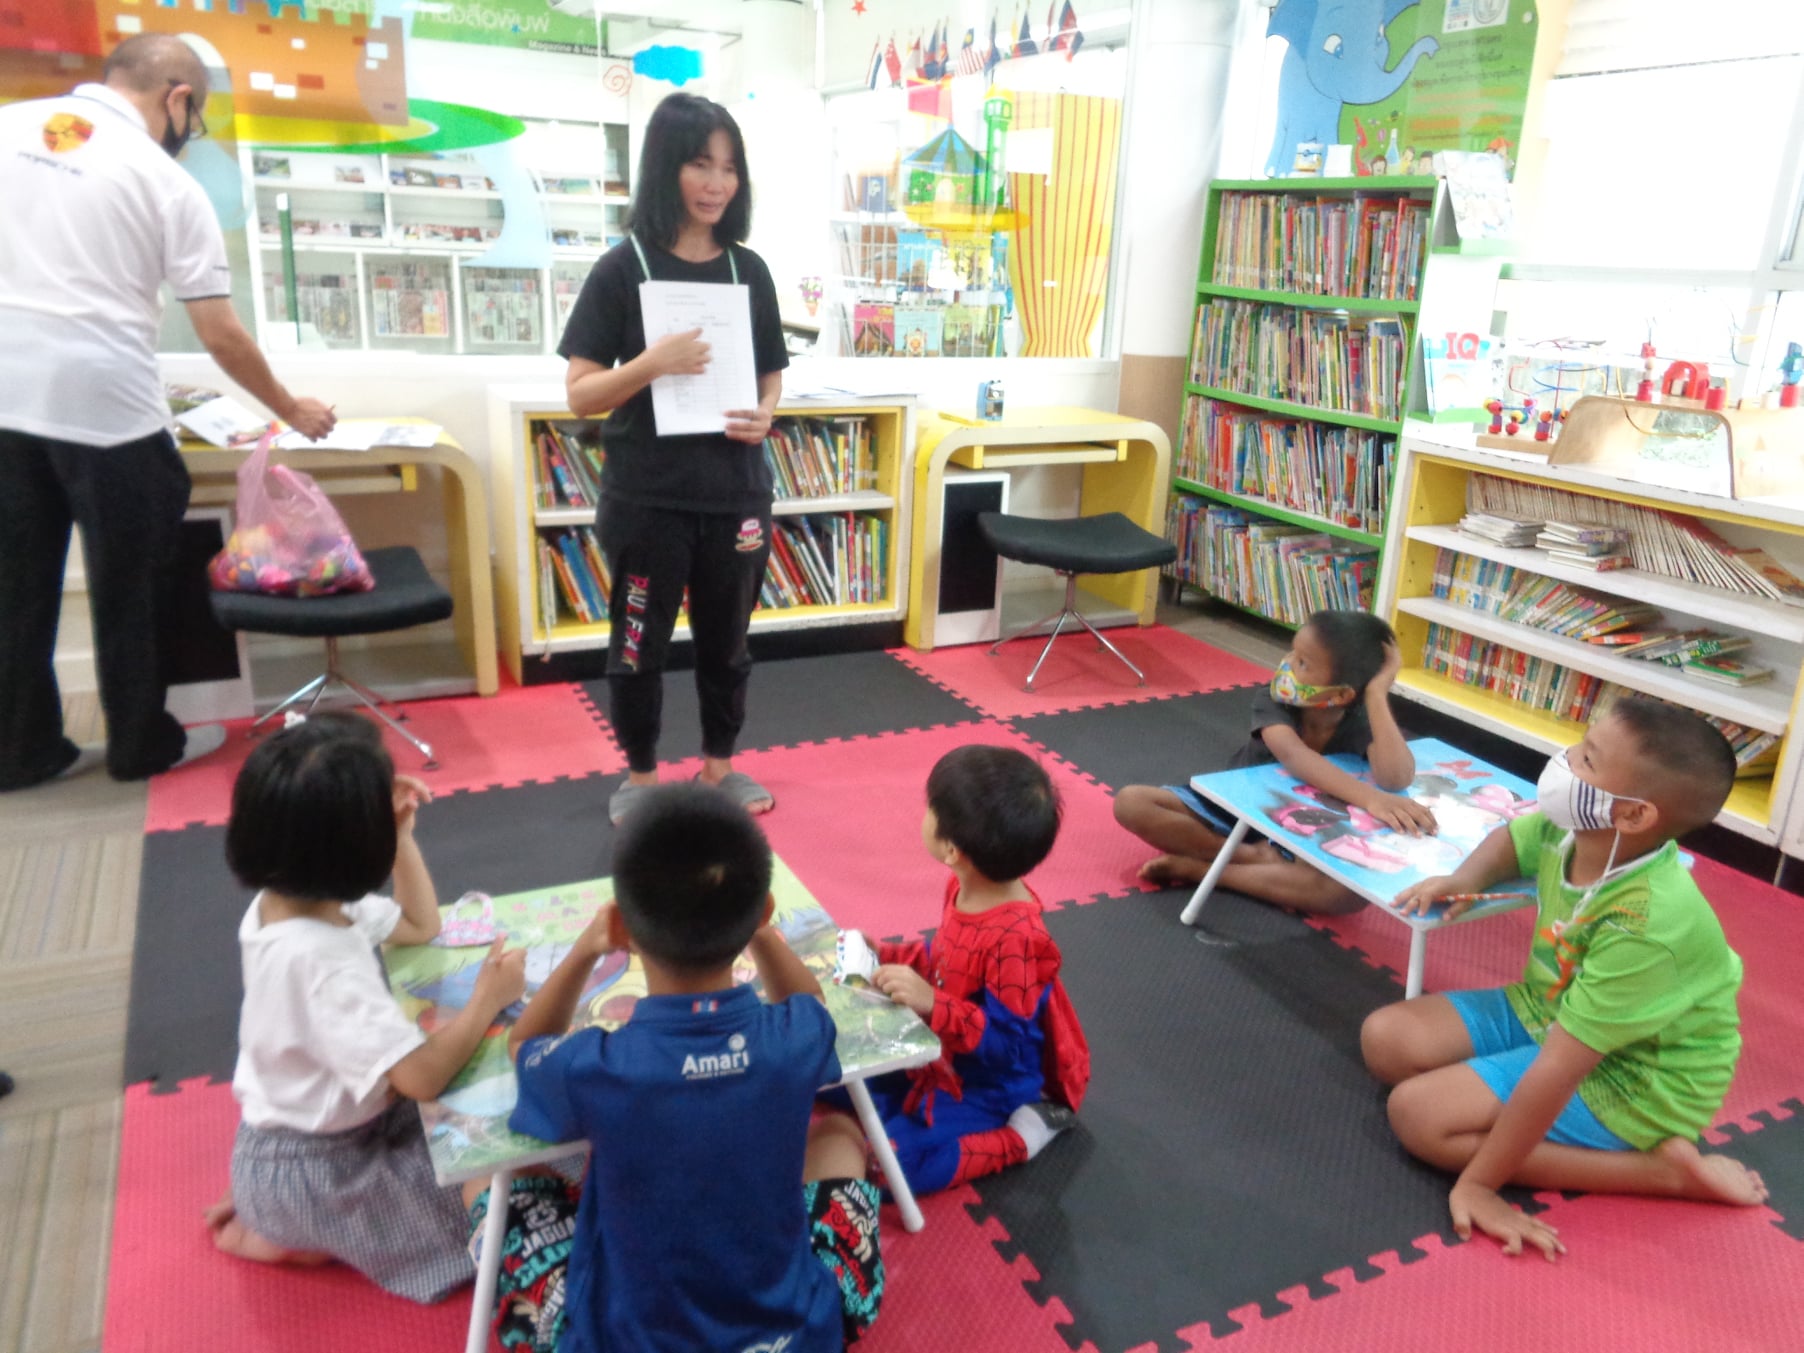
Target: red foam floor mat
{"x": 1642, "y": 1274}
{"x": 848, "y": 821}
{"x": 535, "y": 733}
{"x": 1076, "y": 676}
{"x": 168, "y": 1289}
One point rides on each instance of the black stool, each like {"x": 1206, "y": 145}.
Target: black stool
{"x": 1107, "y": 543}
{"x": 404, "y": 595}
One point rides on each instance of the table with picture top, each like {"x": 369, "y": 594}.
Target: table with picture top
{"x": 467, "y": 1125}
{"x": 1468, "y": 798}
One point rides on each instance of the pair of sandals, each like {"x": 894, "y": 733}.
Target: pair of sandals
{"x": 737, "y": 785}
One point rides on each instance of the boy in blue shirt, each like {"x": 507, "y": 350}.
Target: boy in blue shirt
{"x": 696, "y": 1229}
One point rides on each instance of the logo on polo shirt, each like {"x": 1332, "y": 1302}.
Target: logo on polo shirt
{"x": 733, "y": 1062}
{"x": 65, "y": 132}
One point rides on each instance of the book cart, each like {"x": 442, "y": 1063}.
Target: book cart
{"x": 839, "y": 528}
{"x": 1467, "y": 652}
{"x": 1304, "y": 360}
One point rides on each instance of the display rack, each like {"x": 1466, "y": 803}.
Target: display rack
{"x": 1432, "y": 494}
{"x": 536, "y": 622}
{"x": 1304, "y": 362}
{"x": 385, "y": 248}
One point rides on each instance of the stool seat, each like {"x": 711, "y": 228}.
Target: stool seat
{"x": 1105, "y": 543}
{"x": 404, "y": 595}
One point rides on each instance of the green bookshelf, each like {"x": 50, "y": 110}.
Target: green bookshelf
{"x": 1273, "y": 248}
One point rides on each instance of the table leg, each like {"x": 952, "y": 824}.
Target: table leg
{"x": 886, "y": 1157}
{"x": 494, "y": 1236}
{"x": 1194, "y": 908}
{"x": 1418, "y": 959}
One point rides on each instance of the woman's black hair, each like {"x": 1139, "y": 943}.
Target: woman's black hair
{"x": 313, "y": 812}
{"x": 1355, "y": 642}
{"x": 679, "y": 130}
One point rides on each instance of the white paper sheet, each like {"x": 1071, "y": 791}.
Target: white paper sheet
{"x": 362, "y": 434}
{"x": 682, "y": 404}
{"x": 223, "y": 422}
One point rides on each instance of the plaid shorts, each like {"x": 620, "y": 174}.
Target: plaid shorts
{"x": 530, "y": 1311}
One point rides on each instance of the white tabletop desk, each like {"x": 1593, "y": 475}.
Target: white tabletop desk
{"x": 1469, "y": 799}
{"x": 466, "y": 1126}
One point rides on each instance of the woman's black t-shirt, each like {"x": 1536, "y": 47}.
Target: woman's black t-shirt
{"x": 701, "y": 472}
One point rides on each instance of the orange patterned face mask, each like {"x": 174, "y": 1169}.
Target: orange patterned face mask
{"x": 1287, "y": 690}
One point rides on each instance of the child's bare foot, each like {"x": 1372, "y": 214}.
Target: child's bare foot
{"x": 232, "y": 1236}
{"x": 1162, "y": 871}
{"x": 1713, "y": 1178}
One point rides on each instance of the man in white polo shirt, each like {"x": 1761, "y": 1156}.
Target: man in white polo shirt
{"x": 98, "y": 215}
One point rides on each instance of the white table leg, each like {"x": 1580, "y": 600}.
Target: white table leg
{"x": 886, "y": 1157}
{"x": 1194, "y": 907}
{"x": 1418, "y": 959}
{"x": 494, "y": 1236}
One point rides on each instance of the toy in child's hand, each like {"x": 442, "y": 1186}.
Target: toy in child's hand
{"x": 853, "y": 960}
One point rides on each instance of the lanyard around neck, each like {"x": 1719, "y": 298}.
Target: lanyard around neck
{"x": 645, "y": 267}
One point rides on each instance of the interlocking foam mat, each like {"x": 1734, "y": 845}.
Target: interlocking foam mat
{"x": 1231, "y": 1177}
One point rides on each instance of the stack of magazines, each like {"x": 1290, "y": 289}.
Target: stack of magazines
{"x": 1500, "y": 529}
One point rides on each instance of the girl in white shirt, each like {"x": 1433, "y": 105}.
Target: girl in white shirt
{"x": 330, "y": 1161}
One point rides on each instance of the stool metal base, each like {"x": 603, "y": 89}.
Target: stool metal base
{"x": 316, "y": 689}
{"x": 1066, "y": 612}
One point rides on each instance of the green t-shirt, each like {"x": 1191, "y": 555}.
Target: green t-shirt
{"x": 1641, "y": 974}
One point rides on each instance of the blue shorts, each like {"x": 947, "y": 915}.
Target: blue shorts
{"x": 1218, "y": 820}
{"x": 1502, "y": 1050}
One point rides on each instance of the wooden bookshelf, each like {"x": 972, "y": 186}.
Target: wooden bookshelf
{"x": 1268, "y": 275}
{"x": 1430, "y": 497}
{"x": 516, "y": 413}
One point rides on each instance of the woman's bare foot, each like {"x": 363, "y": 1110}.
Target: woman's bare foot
{"x": 232, "y": 1236}
{"x": 1713, "y": 1178}
{"x": 1162, "y": 871}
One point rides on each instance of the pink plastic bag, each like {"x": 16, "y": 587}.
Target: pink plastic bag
{"x": 288, "y": 540}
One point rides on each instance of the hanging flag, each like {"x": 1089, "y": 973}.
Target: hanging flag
{"x": 933, "y": 67}
{"x": 992, "y": 58}
{"x": 1024, "y": 44}
{"x": 945, "y": 55}
{"x": 1068, "y": 34}
{"x": 917, "y": 64}
{"x": 1055, "y": 40}
{"x": 970, "y": 59}
{"x": 876, "y": 66}
{"x": 892, "y": 62}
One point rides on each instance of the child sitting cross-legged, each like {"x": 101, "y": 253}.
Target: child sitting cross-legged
{"x": 715, "y": 1213}
{"x": 330, "y": 1161}
{"x": 1015, "y": 1064}
{"x": 1330, "y": 694}
{"x": 1598, "y": 1070}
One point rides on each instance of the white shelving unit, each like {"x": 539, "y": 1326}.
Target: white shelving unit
{"x": 1430, "y": 497}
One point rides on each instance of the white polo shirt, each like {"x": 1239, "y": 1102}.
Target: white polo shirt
{"x": 97, "y": 216}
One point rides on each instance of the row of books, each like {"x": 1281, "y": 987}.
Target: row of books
{"x": 955, "y": 329}
{"x": 1340, "y": 473}
{"x": 816, "y": 457}
{"x": 1537, "y": 683}
{"x": 827, "y": 559}
{"x": 573, "y": 577}
{"x": 1186, "y": 526}
{"x": 1363, "y": 246}
{"x": 1670, "y": 544}
{"x": 1542, "y": 684}
{"x": 1283, "y": 571}
{"x": 1352, "y": 364}
{"x": 566, "y": 468}
{"x": 1543, "y": 603}
{"x": 1582, "y": 544}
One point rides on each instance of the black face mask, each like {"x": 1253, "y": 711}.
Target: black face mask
{"x": 172, "y": 140}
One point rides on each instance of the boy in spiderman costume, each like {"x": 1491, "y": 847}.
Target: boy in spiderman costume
{"x": 1014, "y": 1063}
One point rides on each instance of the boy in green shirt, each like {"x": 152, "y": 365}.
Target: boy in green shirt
{"x": 1598, "y": 1070}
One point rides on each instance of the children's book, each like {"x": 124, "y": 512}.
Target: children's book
{"x": 1729, "y": 671}
{"x": 918, "y": 331}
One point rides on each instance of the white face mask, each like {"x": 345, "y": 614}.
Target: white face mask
{"x": 1571, "y": 804}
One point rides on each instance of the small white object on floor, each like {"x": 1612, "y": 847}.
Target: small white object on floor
{"x": 203, "y": 740}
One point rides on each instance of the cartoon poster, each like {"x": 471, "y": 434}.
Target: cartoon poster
{"x": 466, "y": 1126}
{"x": 1469, "y": 799}
{"x": 1400, "y": 80}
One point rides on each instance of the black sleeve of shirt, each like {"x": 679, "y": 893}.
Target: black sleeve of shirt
{"x": 605, "y": 326}
{"x": 1267, "y": 711}
{"x": 768, "y": 349}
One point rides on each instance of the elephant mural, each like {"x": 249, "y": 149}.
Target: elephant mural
{"x": 1337, "y": 56}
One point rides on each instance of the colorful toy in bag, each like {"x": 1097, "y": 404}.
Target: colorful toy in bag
{"x": 289, "y": 541}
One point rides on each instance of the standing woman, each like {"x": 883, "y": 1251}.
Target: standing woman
{"x": 688, "y": 511}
